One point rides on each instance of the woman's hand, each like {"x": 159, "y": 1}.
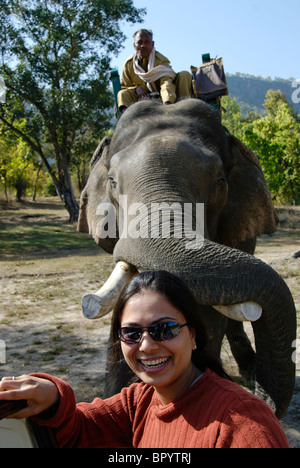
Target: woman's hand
{"x": 40, "y": 394}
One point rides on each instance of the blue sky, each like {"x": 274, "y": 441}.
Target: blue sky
{"x": 258, "y": 37}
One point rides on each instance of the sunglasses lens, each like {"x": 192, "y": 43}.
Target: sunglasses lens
{"x": 171, "y": 330}
{"x": 130, "y": 335}
{"x": 164, "y": 331}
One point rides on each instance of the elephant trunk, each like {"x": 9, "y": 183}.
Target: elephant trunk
{"x": 219, "y": 275}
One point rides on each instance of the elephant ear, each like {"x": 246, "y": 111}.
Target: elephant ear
{"x": 249, "y": 211}
{"x": 101, "y": 152}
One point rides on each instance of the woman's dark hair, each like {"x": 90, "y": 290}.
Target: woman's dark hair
{"x": 180, "y": 296}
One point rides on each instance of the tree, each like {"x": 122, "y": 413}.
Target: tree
{"x": 235, "y": 118}
{"x": 273, "y": 99}
{"x": 232, "y": 118}
{"x": 276, "y": 140}
{"x": 55, "y": 57}
{"x": 16, "y": 167}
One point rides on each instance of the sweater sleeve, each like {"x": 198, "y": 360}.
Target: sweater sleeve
{"x": 102, "y": 423}
{"x": 251, "y": 424}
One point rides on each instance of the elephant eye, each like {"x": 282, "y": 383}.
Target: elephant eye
{"x": 221, "y": 180}
{"x": 112, "y": 181}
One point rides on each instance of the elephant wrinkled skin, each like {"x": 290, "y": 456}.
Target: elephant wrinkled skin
{"x": 181, "y": 154}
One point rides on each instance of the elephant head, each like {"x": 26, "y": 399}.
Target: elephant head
{"x": 181, "y": 158}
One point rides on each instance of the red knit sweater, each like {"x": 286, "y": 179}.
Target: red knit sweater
{"x": 212, "y": 413}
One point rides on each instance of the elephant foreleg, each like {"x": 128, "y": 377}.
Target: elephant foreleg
{"x": 238, "y": 340}
{"x": 215, "y": 325}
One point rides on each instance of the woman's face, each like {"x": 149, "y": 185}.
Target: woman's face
{"x": 166, "y": 365}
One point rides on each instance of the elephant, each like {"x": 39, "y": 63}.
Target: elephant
{"x": 181, "y": 156}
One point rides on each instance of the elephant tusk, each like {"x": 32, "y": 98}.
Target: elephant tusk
{"x": 103, "y": 301}
{"x": 247, "y": 311}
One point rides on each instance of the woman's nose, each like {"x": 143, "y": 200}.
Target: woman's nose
{"x": 147, "y": 342}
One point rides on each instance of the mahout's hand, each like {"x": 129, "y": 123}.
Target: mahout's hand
{"x": 141, "y": 92}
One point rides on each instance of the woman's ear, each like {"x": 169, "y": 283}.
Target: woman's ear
{"x": 193, "y": 338}
{"x": 249, "y": 211}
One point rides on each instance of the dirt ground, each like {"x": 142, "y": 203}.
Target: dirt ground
{"x": 41, "y": 285}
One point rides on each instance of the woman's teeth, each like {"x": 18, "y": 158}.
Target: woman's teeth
{"x": 154, "y": 362}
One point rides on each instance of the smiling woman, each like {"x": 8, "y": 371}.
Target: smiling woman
{"x": 161, "y": 360}
{"x": 180, "y": 402}
{"x": 150, "y": 319}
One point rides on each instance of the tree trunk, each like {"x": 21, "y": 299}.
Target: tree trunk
{"x": 35, "y": 183}
{"x": 63, "y": 183}
{"x": 294, "y": 197}
{"x": 71, "y": 204}
{"x": 67, "y": 196}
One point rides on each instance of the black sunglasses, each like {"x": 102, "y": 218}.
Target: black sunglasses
{"x": 163, "y": 331}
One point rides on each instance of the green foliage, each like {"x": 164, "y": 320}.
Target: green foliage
{"x": 275, "y": 138}
{"x": 19, "y": 170}
{"x": 15, "y": 167}
{"x": 232, "y": 118}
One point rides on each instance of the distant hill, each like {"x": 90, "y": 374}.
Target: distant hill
{"x": 250, "y": 91}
